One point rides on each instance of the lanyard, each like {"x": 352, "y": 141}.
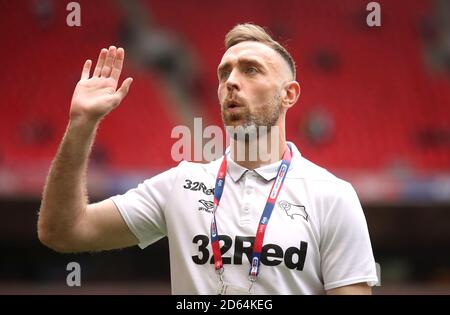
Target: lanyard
{"x": 264, "y": 220}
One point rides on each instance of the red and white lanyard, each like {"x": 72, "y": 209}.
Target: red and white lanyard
{"x": 265, "y": 217}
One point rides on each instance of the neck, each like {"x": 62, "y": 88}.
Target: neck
{"x": 258, "y": 152}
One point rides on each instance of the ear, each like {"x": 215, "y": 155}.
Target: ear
{"x": 291, "y": 94}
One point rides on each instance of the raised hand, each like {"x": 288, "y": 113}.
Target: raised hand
{"x": 94, "y": 97}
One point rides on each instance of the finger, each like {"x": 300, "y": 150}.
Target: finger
{"x": 107, "y": 67}
{"x": 123, "y": 90}
{"x": 86, "y": 70}
{"x": 100, "y": 62}
{"x": 118, "y": 63}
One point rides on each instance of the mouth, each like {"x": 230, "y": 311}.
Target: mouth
{"x": 232, "y": 105}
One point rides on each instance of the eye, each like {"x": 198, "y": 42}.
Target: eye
{"x": 251, "y": 70}
{"x": 224, "y": 75}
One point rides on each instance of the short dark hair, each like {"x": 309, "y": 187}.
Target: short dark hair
{"x": 251, "y": 32}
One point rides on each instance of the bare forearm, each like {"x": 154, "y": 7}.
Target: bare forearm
{"x": 64, "y": 223}
{"x": 65, "y": 195}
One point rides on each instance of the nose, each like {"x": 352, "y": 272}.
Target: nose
{"x": 233, "y": 81}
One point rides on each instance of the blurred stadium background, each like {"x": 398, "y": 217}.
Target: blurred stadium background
{"x": 374, "y": 109}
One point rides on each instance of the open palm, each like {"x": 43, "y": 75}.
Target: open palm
{"x": 94, "y": 97}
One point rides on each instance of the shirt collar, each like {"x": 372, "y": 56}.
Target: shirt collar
{"x": 235, "y": 170}
{"x": 268, "y": 172}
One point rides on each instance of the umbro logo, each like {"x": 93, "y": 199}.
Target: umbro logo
{"x": 207, "y": 206}
{"x": 292, "y": 210}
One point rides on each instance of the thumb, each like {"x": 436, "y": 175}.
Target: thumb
{"x": 124, "y": 88}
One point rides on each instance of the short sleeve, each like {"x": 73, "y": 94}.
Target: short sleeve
{"x": 346, "y": 251}
{"x": 142, "y": 207}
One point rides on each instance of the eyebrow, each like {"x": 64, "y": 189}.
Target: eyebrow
{"x": 241, "y": 60}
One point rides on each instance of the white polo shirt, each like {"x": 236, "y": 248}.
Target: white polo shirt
{"x": 317, "y": 237}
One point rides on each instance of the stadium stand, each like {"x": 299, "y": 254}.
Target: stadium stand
{"x": 372, "y": 108}
{"x": 382, "y": 100}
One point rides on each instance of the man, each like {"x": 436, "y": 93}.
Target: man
{"x": 281, "y": 225}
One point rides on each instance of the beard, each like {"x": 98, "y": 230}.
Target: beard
{"x": 244, "y": 123}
